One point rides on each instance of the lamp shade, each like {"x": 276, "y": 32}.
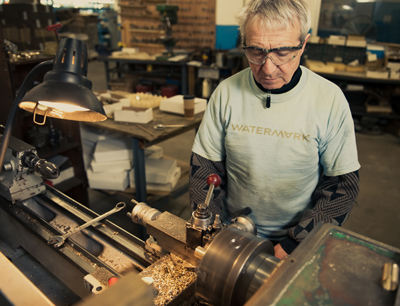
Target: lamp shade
{"x": 66, "y": 92}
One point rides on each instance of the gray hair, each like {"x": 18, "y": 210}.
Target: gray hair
{"x": 277, "y": 14}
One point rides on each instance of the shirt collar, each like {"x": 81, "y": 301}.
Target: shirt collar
{"x": 285, "y": 88}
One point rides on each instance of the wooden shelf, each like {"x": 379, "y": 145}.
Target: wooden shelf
{"x": 140, "y": 16}
{"x": 161, "y": 73}
{"x": 143, "y": 31}
{"x": 133, "y": 6}
{"x": 146, "y": 45}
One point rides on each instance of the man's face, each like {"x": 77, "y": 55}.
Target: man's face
{"x": 269, "y": 75}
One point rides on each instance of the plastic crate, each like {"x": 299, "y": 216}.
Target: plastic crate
{"x": 355, "y": 53}
{"x": 313, "y": 51}
{"x": 334, "y": 53}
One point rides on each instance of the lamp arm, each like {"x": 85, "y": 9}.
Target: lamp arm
{"x": 28, "y": 81}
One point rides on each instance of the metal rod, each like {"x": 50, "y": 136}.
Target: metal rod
{"x": 28, "y": 81}
{"x": 209, "y": 194}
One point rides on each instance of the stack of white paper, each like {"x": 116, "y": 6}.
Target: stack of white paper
{"x": 110, "y": 181}
{"x": 173, "y": 180}
{"x": 115, "y": 149}
{"x": 113, "y": 159}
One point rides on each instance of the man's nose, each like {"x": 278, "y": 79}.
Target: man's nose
{"x": 269, "y": 67}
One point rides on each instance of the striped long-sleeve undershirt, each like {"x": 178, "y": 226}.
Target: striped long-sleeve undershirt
{"x": 334, "y": 198}
{"x": 200, "y": 169}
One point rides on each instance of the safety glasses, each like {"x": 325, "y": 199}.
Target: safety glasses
{"x": 279, "y": 56}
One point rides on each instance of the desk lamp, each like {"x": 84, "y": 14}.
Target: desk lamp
{"x": 65, "y": 94}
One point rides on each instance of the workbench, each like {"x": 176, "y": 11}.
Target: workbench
{"x": 385, "y": 89}
{"x": 144, "y": 135}
{"x": 357, "y": 78}
{"x": 160, "y": 68}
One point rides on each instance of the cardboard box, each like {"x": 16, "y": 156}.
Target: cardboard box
{"x": 152, "y": 187}
{"x": 109, "y": 148}
{"x": 111, "y": 166}
{"x": 337, "y": 66}
{"x": 175, "y": 105}
{"x": 337, "y": 40}
{"x": 377, "y": 50}
{"x": 110, "y": 109}
{"x": 377, "y": 74}
{"x": 356, "y": 41}
{"x": 154, "y": 152}
{"x": 394, "y": 68}
{"x": 111, "y": 102}
{"x": 133, "y": 115}
{"x": 108, "y": 180}
{"x": 113, "y": 149}
{"x": 64, "y": 175}
{"x": 319, "y": 66}
{"x": 315, "y": 39}
{"x": 159, "y": 171}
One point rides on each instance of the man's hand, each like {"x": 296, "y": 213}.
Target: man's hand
{"x": 279, "y": 252}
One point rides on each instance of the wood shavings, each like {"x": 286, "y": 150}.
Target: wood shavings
{"x": 169, "y": 279}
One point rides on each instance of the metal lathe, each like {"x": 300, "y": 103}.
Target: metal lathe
{"x": 200, "y": 261}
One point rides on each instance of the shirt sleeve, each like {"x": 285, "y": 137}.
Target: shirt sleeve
{"x": 210, "y": 138}
{"x": 338, "y": 149}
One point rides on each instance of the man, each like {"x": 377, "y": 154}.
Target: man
{"x": 281, "y": 137}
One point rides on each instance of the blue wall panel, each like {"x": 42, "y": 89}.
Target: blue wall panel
{"x": 226, "y": 37}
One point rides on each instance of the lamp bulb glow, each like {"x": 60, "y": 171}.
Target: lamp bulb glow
{"x": 64, "y": 107}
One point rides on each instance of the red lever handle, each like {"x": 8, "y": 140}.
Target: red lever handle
{"x": 54, "y": 27}
{"x": 214, "y": 179}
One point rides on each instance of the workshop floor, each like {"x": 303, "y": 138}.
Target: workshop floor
{"x": 376, "y": 214}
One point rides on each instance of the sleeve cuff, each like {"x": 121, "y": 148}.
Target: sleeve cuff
{"x": 288, "y": 244}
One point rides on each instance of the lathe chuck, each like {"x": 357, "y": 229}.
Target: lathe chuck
{"x": 234, "y": 266}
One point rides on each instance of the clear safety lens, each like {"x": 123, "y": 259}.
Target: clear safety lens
{"x": 278, "y": 57}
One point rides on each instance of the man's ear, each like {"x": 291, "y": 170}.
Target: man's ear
{"x": 305, "y": 42}
{"x": 306, "y": 39}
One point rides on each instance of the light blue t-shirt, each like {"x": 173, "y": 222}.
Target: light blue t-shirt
{"x": 275, "y": 156}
